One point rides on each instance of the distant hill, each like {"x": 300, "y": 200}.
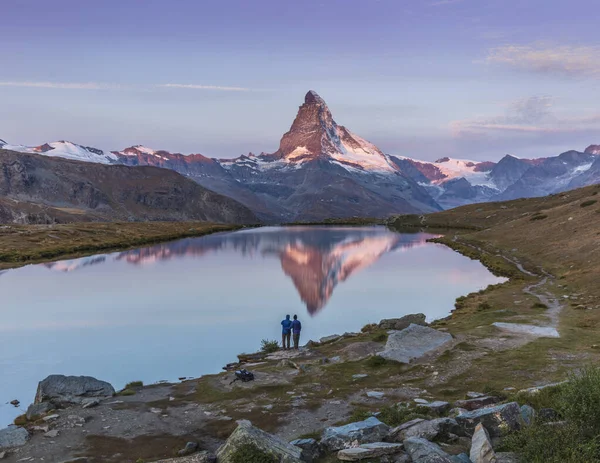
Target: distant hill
{"x": 40, "y": 189}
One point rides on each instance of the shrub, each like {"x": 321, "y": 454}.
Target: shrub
{"x": 249, "y": 453}
{"x": 589, "y": 202}
{"x": 539, "y": 305}
{"x": 369, "y": 327}
{"x": 580, "y": 400}
{"x": 268, "y": 346}
{"x": 20, "y": 420}
{"x": 539, "y": 217}
{"x": 484, "y": 306}
{"x": 134, "y": 384}
{"x": 376, "y": 361}
{"x": 127, "y": 392}
{"x": 395, "y": 415}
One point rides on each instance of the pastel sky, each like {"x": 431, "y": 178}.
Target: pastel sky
{"x": 421, "y": 78}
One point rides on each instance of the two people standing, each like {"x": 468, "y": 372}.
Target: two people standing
{"x": 288, "y": 327}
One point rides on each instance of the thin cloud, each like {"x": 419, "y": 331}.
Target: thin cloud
{"x": 578, "y": 61}
{"x": 205, "y": 87}
{"x": 62, "y": 85}
{"x": 528, "y": 115}
{"x": 113, "y": 86}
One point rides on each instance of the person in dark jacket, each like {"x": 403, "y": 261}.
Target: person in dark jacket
{"x": 296, "y": 328}
{"x": 286, "y": 332}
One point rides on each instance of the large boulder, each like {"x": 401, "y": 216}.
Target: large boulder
{"x": 246, "y": 435}
{"x": 13, "y": 436}
{"x": 481, "y": 446}
{"x": 413, "y": 342}
{"x": 439, "y": 428}
{"x": 311, "y": 449}
{"x": 476, "y": 403}
{"x": 368, "y": 451}
{"x": 71, "y": 389}
{"x": 35, "y": 411}
{"x": 423, "y": 451}
{"x": 497, "y": 420}
{"x": 403, "y": 322}
{"x": 353, "y": 434}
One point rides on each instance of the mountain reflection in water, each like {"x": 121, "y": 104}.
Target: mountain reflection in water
{"x": 315, "y": 259}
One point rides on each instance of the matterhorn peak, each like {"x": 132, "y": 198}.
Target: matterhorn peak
{"x": 313, "y": 97}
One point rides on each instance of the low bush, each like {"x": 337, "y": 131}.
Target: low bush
{"x": 380, "y": 337}
{"x": 249, "y": 453}
{"x": 134, "y": 384}
{"x": 376, "y": 361}
{"x": 369, "y": 327}
{"x": 395, "y": 415}
{"x": 589, "y": 202}
{"x": 267, "y": 346}
{"x": 538, "y": 217}
{"x": 127, "y": 392}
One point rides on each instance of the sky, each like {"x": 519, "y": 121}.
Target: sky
{"x": 473, "y": 79}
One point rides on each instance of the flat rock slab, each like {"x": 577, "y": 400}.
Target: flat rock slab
{"x": 477, "y": 403}
{"x": 533, "y": 330}
{"x": 71, "y": 389}
{"x": 481, "y": 446}
{"x": 404, "y": 322}
{"x": 365, "y": 451}
{"x": 361, "y": 432}
{"x": 246, "y": 434}
{"x": 13, "y": 436}
{"x": 413, "y": 342}
{"x": 423, "y": 451}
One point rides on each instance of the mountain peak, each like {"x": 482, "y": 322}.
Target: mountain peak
{"x": 592, "y": 149}
{"x": 313, "y": 97}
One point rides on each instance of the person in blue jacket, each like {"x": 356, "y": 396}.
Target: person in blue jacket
{"x": 286, "y": 332}
{"x": 296, "y": 328}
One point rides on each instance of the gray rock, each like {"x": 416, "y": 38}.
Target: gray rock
{"x": 311, "y": 449}
{"x": 527, "y": 414}
{"x": 497, "y": 420}
{"x": 518, "y": 328}
{"x": 331, "y": 338}
{"x": 373, "y": 450}
{"x": 481, "y": 446}
{"x": 413, "y": 342}
{"x": 461, "y": 458}
{"x": 423, "y": 451}
{"x": 477, "y": 403}
{"x": 403, "y": 322}
{"x": 246, "y": 434}
{"x": 89, "y": 403}
{"x": 453, "y": 413}
{"x": 375, "y": 394}
{"x": 71, "y": 389}
{"x": 420, "y": 401}
{"x": 361, "y": 432}
{"x": 439, "y": 428}
{"x": 13, "y": 436}
{"x": 438, "y": 407}
{"x": 200, "y": 457}
{"x": 2, "y": 455}
{"x": 52, "y": 434}
{"x": 359, "y": 376}
{"x": 189, "y": 448}
{"x": 49, "y": 418}
{"x": 35, "y": 411}
{"x": 474, "y": 395}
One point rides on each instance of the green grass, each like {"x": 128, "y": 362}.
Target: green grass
{"x": 127, "y": 392}
{"x": 249, "y": 453}
{"x": 589, "y": 202}
{"x": 134, "y": 384}
{"x": 380, "y": 337}
{"x": 376, "y": 361}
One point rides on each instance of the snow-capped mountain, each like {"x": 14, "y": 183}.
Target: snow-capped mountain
{"x": 324, "y": 170}
{"x": 66, "y": 149}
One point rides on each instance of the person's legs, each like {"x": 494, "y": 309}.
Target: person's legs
{"x": 283, "y": 341}
{"x": 288, "y": 336}
{"x": 296, "y": 340}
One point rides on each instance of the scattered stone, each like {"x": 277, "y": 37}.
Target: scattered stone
{"x": 420, "y": 401}
{"x": 438, "y": 407}
{"x": 13, "y": 436}
{"x": 2, "y": 455}
{"x": 361, "y": 432}
{"x": 373, "y": 450}
{"x": 399, "y": 324}
{"x": 397, "y": 434}
{"x": 475, "y": 404}
{"x": 246, "y": 434}
{"x": 52, "y": 434}
{"x": 359, "y": 376}
{"x": 40, "y": 428}
{"x": 460, "y": 458}
{"x": 453, "y": 413}
{"x": 34, "y": 411}
{"x": 423, "y": 451}
{"x": 527, "y": 414}
{"x": 49, "y": 418}
{"x": 536, "y": 389}
{"x": 497, "y": 420}
{"x": 413, "y": 342}
{"x": 155, "y": 410}
{"x": 510, "y": 389}
{"x": 375, "y": 394}
{"x": 533, "y": 330}
{"x": 326, "y": 339}
{"x": 474, "y": 395}
{"x": 15, "y": 403}
{"x": 71, "y": 389}
{"x": 311, "y": 449}
{"x": 89, "y": 403}
{"x": 481, "y": 446}
{"x": 439, "y": 428}
{"x": 189, "y": 448}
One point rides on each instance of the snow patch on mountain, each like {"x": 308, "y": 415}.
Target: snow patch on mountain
{"x": 67, "y": 150}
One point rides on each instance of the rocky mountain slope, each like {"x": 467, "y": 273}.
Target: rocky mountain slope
{"x": 324, "y": 170}
{"x": 39, "y": 189}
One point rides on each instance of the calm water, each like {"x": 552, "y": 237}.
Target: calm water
{"x": 186, "y": 308}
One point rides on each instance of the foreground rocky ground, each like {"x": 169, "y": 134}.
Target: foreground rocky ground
{"x": 530, "y": 331}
